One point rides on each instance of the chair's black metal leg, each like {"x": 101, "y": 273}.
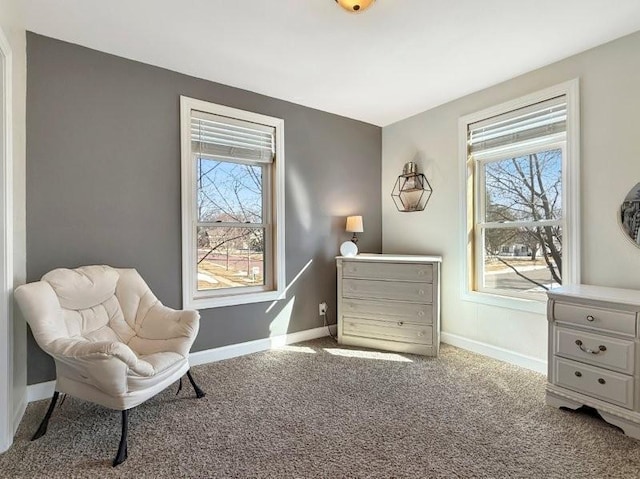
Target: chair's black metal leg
{"x": 45, "y": 421}
{"x": 122, "y": 454}
{"x": 199, "y": 392}
{"x": 179, "y": 387}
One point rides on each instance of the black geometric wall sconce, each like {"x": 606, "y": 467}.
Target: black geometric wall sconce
{"x": 412, "y": 189}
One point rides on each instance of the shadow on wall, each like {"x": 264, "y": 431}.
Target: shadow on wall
{"x": 280, "y": 325}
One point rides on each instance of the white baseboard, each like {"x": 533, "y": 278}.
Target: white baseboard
{"x": 241, "y": 349}
{"x": 495, "y": 352}
{"x": 36, "y": 392}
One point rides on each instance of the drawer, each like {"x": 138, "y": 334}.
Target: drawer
{"x": 595, "y": 349}
{"x": 391, "y": 271}
{"x": 398, "y": 290}
{"x": 388, "y": 311}
{"x": 399, "y": 331}
{"x": 621, "y": 322}
{"x": 595, "y": 382}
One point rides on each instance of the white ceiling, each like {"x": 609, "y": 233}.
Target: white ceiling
{"x": 397, "y": 59}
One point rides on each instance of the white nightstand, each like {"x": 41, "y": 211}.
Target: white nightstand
{"x": 593, "y": 352}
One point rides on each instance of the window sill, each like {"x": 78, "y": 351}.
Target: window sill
{"x": 538, "y": 306}
{"x": 231, "y": 300}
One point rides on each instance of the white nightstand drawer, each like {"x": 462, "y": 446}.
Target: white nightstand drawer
{"x": 398, "y": 290}
{"x": 399, "y": 331}
{"x": 390, "y": 271}
{"x": 621, "y": 322}
{"x": 389, "y": 311}
{"x": 596, "y": 382}
{"x": 595, "y": 349}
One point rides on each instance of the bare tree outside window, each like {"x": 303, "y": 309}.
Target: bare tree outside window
{"x": 231, "y": 233}
{"x": 522, "y": 224}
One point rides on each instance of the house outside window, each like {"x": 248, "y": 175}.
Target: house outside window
{"x": 521, "y": 174}
{"x": 232, "y": 205}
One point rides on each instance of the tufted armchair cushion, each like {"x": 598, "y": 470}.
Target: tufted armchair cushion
{"x": 112, "y": 340}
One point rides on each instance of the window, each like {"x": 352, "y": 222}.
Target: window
{"x": 521, "y": 203}
{"x": 232, "y": 205}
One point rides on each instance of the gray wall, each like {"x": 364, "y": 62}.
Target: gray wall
{"x": 103, "y": 184}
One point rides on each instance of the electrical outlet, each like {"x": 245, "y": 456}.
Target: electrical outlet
{"x": 322, "y": 308}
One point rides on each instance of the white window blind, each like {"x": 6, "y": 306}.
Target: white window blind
{"x": 228, "y": 138}
{"x": 532, "y": 122}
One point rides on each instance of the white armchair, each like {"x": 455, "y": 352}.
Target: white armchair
{"x": 112, "y": 340}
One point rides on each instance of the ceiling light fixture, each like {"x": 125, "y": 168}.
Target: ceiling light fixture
{"x": 355, "y": 6}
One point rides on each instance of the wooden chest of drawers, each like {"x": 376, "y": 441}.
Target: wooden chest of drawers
{"x": 593, "y": 352}
{"x": 390, "y": 302}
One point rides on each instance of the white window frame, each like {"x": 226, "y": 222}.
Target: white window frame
{"x": 570, "y": 198}
{"x": 275, "y": 283}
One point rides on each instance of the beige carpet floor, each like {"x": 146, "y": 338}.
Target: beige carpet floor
{"x": 320, "y": 410}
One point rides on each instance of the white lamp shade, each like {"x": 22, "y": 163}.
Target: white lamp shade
{"x": 354, "y": 224}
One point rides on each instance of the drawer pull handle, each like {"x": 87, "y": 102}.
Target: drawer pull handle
{"x": 578, "y": 373}
{"x": 590, "y": 318}
{"x": 400, "y": 323}
{"x": 601, "y": 348}
{"x": 421, "y": 313}
{"x": 421, "y": 292}
{"x": 602, "y": 381}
